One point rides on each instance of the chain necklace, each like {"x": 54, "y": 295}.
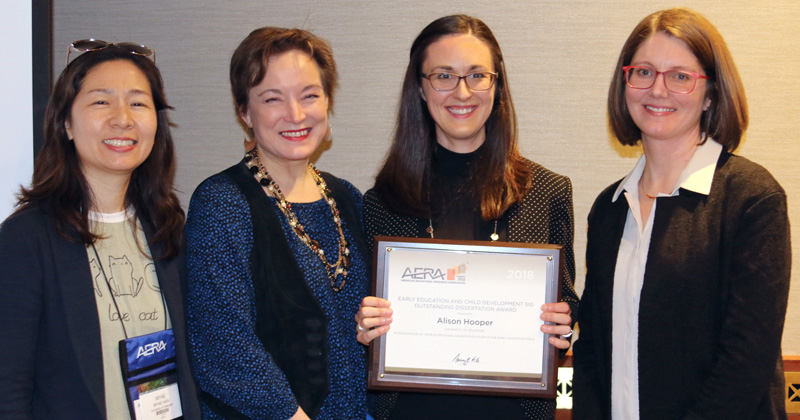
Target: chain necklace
{"x": 343, "y": 261}
{"x": 494, "y": 236}
{"x": 429, "y": 230}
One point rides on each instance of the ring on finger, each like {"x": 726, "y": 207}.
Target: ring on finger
{"x": 360, "y": 328}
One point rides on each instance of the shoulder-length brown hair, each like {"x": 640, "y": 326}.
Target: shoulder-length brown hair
{"x": 726, "y": 118}
{"x": 59, "y": 186}
{"x": 502, "y": 178}
{"x": 249, "y": 61}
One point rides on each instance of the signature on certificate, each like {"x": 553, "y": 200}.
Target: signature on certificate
{"x": 465, "y": 360}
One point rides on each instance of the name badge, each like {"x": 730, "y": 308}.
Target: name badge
{"x": 150, "y": 376}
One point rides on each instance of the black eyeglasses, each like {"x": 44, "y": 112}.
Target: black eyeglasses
{"x": 476, "y": 82}
{"x": 91, "y": 44}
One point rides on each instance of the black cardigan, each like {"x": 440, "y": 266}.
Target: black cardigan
{"x": 712, "y": 305}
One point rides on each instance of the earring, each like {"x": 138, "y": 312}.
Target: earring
{"x": 248, "y": 143}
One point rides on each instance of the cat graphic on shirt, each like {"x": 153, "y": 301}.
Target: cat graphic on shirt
{"x": 122, "y": 281}
{"x": 151, "y": 277}
{"x": 96, "y": 269}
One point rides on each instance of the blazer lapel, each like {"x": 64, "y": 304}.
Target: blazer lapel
{"x": 168, "y": 281}
{"x": 74, "y": 281}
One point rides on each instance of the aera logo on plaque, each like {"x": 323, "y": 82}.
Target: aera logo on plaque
{"x": 464, "y": 298}
{"x": 456, "y": 273}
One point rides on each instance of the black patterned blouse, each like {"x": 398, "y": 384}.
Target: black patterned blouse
{"x": 543, "y": 216}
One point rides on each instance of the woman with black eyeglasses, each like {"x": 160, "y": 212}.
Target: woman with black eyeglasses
{"x": 688, "y": 256}
{"x": 454, "y": 172}
{"x": 91, "y": 315}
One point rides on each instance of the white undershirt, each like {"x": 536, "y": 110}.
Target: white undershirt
{"x": 629, "y": 275}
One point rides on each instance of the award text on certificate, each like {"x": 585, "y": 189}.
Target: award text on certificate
{"x": 469, "y": 312}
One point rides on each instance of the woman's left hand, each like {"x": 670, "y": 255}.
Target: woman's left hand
{"x": 558, "y": 314}
{"x": 372, "y": 319}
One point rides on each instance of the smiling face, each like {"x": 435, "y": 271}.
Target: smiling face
{"x": 660, "y": 114}
{"x": 113, "y": 120}
{"x": 288, "y": 110}
{"x": 460, "y": 114}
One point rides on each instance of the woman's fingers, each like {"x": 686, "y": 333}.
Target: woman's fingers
{"x": 558, "y": 342}
{"x": 558, "y": 314}
{"x": 372, "y": 319}
{"x": 366, "y": 336}
{"x": 375, "y": 302}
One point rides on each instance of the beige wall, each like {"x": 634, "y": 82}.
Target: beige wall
{"x": 559, "y": 54}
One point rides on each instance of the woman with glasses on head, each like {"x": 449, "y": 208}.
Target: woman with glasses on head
{"x": 91, "y": 257}
{"x": 688, "y": 256}
{"x": 454, "y": 172}
{"x": 276, "y": 257}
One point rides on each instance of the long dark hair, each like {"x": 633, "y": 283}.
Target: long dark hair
{"x": 502, "y": 178}
{"x": 59, "y": 187}
{"x": 726, "y": 118}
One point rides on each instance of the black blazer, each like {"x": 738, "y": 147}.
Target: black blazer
{"x": 712, "y": 304}
{"x": 51, "y": 363}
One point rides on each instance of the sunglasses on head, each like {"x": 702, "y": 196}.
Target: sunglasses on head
{"x": 91, "y": 44}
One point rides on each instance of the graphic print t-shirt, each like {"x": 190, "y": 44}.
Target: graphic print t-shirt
{"x": 123, "y": 272}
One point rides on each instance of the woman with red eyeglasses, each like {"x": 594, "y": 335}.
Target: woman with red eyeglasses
{"x": 91, "y": 313}
{"x": 688, "y": 256}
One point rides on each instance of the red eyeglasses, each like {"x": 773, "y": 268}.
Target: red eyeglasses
{"x": 676, "y": 81}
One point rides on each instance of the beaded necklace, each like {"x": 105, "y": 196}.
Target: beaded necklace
{"x": 253, "y": 163}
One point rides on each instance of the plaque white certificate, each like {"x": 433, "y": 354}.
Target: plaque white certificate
{"x": 466, "y": 317}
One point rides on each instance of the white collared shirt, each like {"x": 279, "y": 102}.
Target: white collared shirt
{"x": 629, "y": 274}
